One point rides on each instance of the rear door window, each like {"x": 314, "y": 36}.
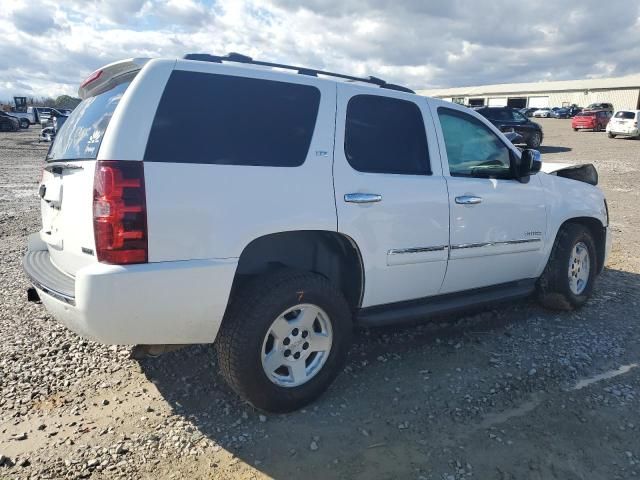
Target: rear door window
{"x": 229, "y": 120}
{"x": 385, "y": 135}
{"x": 81, "y": 135}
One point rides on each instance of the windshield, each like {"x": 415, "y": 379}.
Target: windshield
{"x": 626, "y": 115}
{"x": 81, "y": 135}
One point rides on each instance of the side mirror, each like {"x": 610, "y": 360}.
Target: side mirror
{"x": 529, "y": 163}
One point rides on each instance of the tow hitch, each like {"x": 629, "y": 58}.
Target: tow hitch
{"x": 32, "y": 295}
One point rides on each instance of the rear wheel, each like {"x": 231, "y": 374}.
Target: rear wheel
{"x": 611, "y": 135}
{"x": 575, "y": 129}
{"x": 284, "y": 339}
{"x": 567, "y": 281}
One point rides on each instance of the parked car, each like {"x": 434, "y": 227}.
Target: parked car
{"x": 591, "y": 120}
{"x": 542, "y": 112}
{"x": 47, "y": 119}
{"x": 22, "y": 117}
{"x": 298, "y": 207}
{"x": 574, "y": 110}
{"x": 8, "y": 123}
{"x": 607, "y": 107}
{"x": 560, "y": 113}
{"x": 624, "y": 123}
{"x": 507, "y": 119}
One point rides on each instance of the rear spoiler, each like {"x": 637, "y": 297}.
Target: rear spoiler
{"x": 585, "y": 172}
{"x": 107, "y": 76}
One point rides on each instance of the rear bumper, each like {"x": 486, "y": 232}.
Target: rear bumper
{"x": 156, "y": 303}
{"x": 631, "y": 132}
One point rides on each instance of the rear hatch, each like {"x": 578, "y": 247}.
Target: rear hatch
{"x": 624, "y": 121}
{"x": 67, "y": 184}
{"x": 584, "y": 120}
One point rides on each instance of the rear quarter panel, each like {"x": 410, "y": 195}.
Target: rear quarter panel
{"x": 201, "y": 211}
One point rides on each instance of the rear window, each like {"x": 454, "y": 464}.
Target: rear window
{"x": 585, "y": 114}
{"x": 81, "y": 135}
{"x": 626, "y": 115}
{"x": 228, "y": 120}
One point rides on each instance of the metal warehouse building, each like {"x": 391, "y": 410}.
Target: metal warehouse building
{"x": 622, "y": 92}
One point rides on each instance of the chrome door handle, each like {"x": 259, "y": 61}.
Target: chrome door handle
{"x": 468, "y": 200}
{"x": 362, "y": 197}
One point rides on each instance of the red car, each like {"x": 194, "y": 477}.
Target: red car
{"x": 594, "y": 120}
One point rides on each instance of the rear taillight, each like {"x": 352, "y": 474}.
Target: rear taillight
{"x": 91, "y": 78}
{"x": 119, "y": 212}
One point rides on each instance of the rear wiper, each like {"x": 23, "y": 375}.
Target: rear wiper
{"x": 66, "y": 166}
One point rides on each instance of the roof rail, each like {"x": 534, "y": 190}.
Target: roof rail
{"x": 239, "y": 58}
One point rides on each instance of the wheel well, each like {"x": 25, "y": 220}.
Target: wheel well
{"x": 329, "y": 254}
{"x": 598, "y": 232}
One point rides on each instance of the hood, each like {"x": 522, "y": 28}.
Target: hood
{"x": 584, "y": 172}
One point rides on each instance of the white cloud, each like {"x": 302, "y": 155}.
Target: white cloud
{"x": 50, "y": 46}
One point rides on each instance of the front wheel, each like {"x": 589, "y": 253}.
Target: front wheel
{"x": 284, "y": 339}
{"x": 567, "y": 281}
{"x": 24, "y": 123}
{"x": 611, "y": 135}
{"x": 534, "y": 140}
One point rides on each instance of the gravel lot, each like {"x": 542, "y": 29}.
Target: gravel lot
{"x": 496, "y": 395}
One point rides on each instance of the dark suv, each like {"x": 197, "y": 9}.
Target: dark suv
{"x": 9, "y": 123}
{"x": 608, "y": 107}
{"x": 508, "y": 119}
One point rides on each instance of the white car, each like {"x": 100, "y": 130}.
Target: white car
{"x": 543, "y": 112}
{"x": 624, "y": 123}
{"x": 217, "y": 199}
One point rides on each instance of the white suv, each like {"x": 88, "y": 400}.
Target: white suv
{"x": 271, "y": 208}
{"x": 624, "y": 123}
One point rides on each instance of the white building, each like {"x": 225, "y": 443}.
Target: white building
{"x": 622, "y": 92}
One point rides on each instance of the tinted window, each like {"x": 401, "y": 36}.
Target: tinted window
{"x": 473, "y": 149}
{"x": 499, "y": 114}
{"x": 385, "y": 135}
{"x": 626, "y": 115}
{"x": 518, "y": 117}
{"x": 228, "y": 120}
{"x": 81, "y": 135}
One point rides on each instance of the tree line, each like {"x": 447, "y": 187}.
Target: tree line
{"x": 62, "y": 101}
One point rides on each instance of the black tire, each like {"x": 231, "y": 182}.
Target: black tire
{"x": 24, "y": 123}
{"x": 554, "y": 290}
{"x": 611, "y": 135}
{"x": 249, "y": 318}
{"x": 575, "y": 129}
{"x": 535, "y": 140}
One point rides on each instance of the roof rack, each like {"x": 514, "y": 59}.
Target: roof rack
{"x": 239, "y": 58}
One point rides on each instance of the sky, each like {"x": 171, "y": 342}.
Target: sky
{"x": 50, "y": 46}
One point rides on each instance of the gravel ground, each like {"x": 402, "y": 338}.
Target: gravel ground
{"x": 512, "y": 393}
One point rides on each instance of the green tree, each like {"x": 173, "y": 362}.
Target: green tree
{"x": 66, "y": 101}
